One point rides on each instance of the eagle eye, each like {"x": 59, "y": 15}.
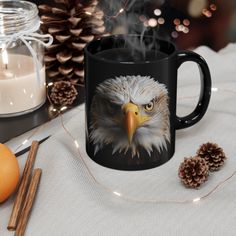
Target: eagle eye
{"x": 149, "y": 106}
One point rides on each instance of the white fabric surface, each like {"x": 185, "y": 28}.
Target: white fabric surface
{"x": 70, "y": 203}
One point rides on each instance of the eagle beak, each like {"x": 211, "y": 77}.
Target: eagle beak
{"x": 132, "y": 119}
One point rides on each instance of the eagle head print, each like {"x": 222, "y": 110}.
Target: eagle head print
{"x": 129, "y": 113}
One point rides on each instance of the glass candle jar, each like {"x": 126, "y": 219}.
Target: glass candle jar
{"x": 22, "y": 70}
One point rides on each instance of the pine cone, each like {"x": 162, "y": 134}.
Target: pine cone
{"x": 72, "y": 24}
{"x": 193, "y": 171}
{"x": 213, "y": 155}
{"x": 63, "y": 93}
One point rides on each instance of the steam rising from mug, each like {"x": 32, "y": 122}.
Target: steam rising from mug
{"x": 129, "y": 23}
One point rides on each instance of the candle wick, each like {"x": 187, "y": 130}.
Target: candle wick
{"x": 6, "y": 66}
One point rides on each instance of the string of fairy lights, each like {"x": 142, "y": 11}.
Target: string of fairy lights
{"x": 180, "y": 26}
{"x": 59, "y": 113}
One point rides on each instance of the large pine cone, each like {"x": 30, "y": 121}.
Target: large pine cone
{"x": 72, "y": 23}
{"x": 213, "y": 155}
{"x": 193, "y": 171}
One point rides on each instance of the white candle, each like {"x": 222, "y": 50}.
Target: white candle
{"x": 20, "y": 89}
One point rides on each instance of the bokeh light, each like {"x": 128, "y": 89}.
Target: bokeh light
{"x": 174, "y": 34}
{"x": 186, "y": 22}
{"x": 213, "y": 7}
{"x": 145, "y": 23}
{"x": 176, "y": 21}
{"x": 180, "y": 27}
{"x": 157, "y": 12}
{"x": 142, "y": 18}
{"x": 206, "y": 13}
{"x": 161, "y": 21}
{"x": 186, "y": 30}
{"x": 152, "y": 22}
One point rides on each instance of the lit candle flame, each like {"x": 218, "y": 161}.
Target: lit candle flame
{"x": 4, "y": 57}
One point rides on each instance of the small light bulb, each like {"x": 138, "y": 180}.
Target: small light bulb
{"x": 76, "y": 144}
{"x": 50, "y": 84}
{"x": 25, "y": 142}
{"x": 121, "y": 10}
{"x": 196, "y": 199}
{"x": 117, "y": 194}
{"x": 63, "y": 108}
{"x": 88, "y": 13}
{"x": 214, "y": 89}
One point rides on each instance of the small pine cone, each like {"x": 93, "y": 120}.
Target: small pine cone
{"x": 213, "y": 155}
{"x": 193, "y": 171}
{"x": 63, "y": 93}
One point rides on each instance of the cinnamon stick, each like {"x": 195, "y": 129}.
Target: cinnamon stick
{"x": 29, "y": 201}
{"x": 20, "y": 197}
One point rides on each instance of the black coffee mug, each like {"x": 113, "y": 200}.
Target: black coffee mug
{"x": 131, "y": 101}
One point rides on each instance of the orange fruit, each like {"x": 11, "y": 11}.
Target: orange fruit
{"x": 9, "y": 172}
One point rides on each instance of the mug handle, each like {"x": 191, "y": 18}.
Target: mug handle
{"x": 205, "y": 93}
